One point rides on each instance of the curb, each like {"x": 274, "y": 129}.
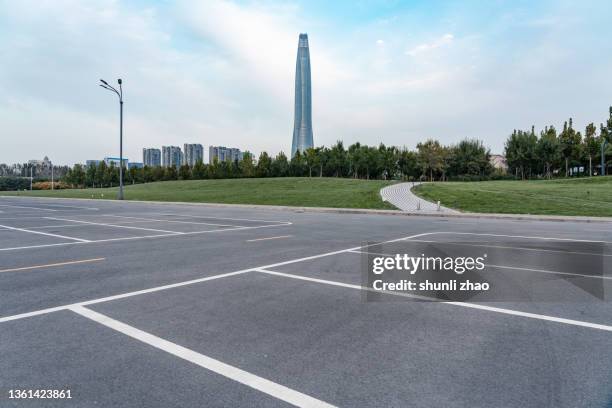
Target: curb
{"x": 494, "y": 216}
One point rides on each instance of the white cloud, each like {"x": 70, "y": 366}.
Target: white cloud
{"x": 446, "y": 39}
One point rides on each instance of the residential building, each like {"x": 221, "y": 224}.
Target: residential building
{"x": 151, "y": 157}
{"x": 172, "y": 156}
{"x": 193, "y": 153}
{"x": 222, "y": 153}
{"x": 302, "y": 126}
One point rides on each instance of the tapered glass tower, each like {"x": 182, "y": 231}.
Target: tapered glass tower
{"x": 302, "y": 128}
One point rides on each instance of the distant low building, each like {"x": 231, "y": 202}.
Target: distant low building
{"x": 499, "y": 162}
{"x": 135, "y": 165}
{"x": 151, "y": 157}
{"x": 172, "y": 156}
{"x": 94, "y": 163}
{"x": 115, "y": 161}
{"x": 193, "y": 153}
{"x": 222, "y": 153}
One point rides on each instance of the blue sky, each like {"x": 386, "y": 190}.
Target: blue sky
{"x": 221, "y": 72}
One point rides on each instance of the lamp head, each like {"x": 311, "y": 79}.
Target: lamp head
{"x": 119, "y": 81}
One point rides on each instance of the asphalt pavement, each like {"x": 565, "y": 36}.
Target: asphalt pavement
{"x": 130, "y": 304}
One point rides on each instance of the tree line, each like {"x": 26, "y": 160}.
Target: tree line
{"x": 529, "y": 155}
{"x": 431, "y": 161}
{"x": 565, "y": 153}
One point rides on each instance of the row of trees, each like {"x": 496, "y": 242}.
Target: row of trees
{"x": 557, "y": 153}
{"x": 431, "y": 160}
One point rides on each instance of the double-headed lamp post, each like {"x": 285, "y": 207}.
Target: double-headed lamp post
{"x": 119, "y": 93}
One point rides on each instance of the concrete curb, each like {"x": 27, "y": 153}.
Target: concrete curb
{"x": 494, "y": 216}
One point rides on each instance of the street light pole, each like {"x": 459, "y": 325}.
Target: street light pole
{"x": 119, "y": 93}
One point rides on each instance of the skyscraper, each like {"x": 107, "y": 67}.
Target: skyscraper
{"x": 151, "y": 157}
{"x": 193, "y": 153}
{"x": 302, "y": 127}
{"x": 172, "y": 156}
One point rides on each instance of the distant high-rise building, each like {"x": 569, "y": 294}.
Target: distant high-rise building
{"x": 172, "y": 156}
{"x": 193, "y": 153}
{"x": 223, "y": 154}
{"x": 151, "y": 157}
{"x": 302, "y": 126}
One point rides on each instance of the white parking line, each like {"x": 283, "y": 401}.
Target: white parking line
{"x": 462, "y": 304}
{"x": 244, "y": 377}
{"x": 548, "y": 271}
{"x": 176, "y": 285}
{"x": 221, "y": 218}
{"x": 23, "y": 206}
{"x": 114, "y": 225}
{"x": 269, "y": 238}
{"x": 27, "y": 268}
{"x": 173, "y": 234}
{"x": 44, "y": 233}
{"x": 173, "y": 221}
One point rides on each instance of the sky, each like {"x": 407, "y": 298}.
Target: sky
{"x": 222, "y": 72}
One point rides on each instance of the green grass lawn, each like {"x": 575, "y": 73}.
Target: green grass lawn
{"x": 291, "y": 191}
{"x": 584, "y": 196}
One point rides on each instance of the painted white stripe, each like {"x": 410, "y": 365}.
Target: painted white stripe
{"x": 234, "y": 373}
{"x": 269, "y": 238}
{"x": 119, "y": 296}
{"x": 115, "y": 225}
{"x": 23, "y": 206}
{"x": 461, "y": 304}
{"x": 173, "y": 234}
{"x": 549, "y": 272}
{"x": 521, "y": 236}
{"x": 174, "y": 285}
{"x": 173, "y": 221}
{"x": 25, "y": 268}
{"x": 221, "y": 218}
{"x": 44, "y": 233}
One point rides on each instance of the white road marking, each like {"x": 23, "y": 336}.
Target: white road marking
{"x": 26, "y": 268}
{"x": 269, "y": 238}
{"x": 23, "y": 206}
{"x": 234, "y": 373}
{"x": 462, "y": 304}
{"x": 119, "y": 296}
{"x": 221, "y": 218}
{"x": 44, "y": 233}
{"x": 173, "y": 221}
{"x": 173, "y": 234}
{"x": 549, "y": 272}
{"x": 513, "y": 247}
{"x": 522, "y": 236}
{"x": 115, "y": 225}
{"x": 176, "y": 285}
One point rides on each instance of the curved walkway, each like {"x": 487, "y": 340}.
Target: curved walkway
{"x": 400, "y": 196}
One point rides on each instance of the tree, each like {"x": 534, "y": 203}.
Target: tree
{"x": 548, "y": 149}
{"x": 520, "y": 152}
{"x": 184, "y": 172}
{"x": 311, "y": 158}
{"x": 199, "y": 170}
{"x": 430, "y": 157}
{"x": 470, "y": 157}
{"x": 407, "y": 164}
{"x": 569, "y": 142}
{"x": 280, "y": 165}
{"x": 591, "y": 145}
{"x": 247, "y": 169}
{"x": 337, "y": 159}
{"x": 264, "y": 165}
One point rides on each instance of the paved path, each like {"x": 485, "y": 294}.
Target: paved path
{"x": 400, "y": 196}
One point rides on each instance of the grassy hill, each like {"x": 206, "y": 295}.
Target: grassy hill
{"x": 581, "y": 196}
{"x": 291, "y": 191}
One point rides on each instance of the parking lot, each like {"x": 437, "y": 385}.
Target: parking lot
{"x": 163, "y": 305}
